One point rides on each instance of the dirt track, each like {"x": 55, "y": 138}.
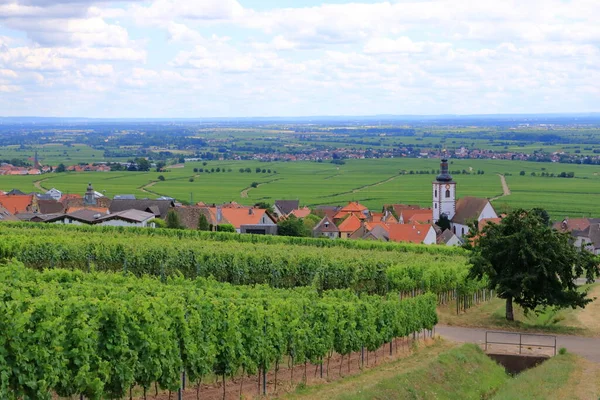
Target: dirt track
{"x": 505, "y": 188}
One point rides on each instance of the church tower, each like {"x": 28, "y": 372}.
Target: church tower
{"x": 444, "y": 193}
{"x": 89, "y": 199}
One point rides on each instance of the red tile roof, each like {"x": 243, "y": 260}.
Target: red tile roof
{"x": 354, "y": 207}
{"x": 575, "y": 224}
{"x": 481, "y": 224}
{"x": 301, "y": 212}
{"x": 66, "y": 197}
{"x": 350, "y": 224}
{"x": 16, "y": 203}
{"x": 411, "y": 233}
{"x": 421, "y": 217}
{"x": 100, "y": 210}
{"x": 343, "y": 214}
{"x": 241, "y": 216}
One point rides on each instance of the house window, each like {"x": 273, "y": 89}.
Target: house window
{"x": 454, "y": 230}
{"x": 463, "y": 231}
{"x": 448, "y": 193}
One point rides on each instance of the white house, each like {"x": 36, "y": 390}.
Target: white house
{"x": 54, "y": 193}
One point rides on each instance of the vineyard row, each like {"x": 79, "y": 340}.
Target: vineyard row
{"x": 278, "y": 265}
{"x": 98, "y": 334}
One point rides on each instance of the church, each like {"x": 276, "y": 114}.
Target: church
{"x": 459, "y": 212}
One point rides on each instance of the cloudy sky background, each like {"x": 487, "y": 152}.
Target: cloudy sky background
{"x": 228, "y": 58}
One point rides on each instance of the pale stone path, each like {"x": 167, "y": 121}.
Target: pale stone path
{"x": 38, "y": 184}
{"x": 505, "y": 188}
{"x": 147, "y": 186}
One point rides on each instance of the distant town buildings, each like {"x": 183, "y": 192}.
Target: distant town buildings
{"x": 394, "y": 222}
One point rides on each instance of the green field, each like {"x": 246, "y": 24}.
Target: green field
{"x": 373, "y": 182}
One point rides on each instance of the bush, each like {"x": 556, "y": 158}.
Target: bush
{"x": 254, "y": 184}
{"x": 191, "y": 179}
{"x": 225, "y": 228}
{"x": 562, "y": 351}
{"x": 158, "y": 223}
{"x": 161, "y": 178}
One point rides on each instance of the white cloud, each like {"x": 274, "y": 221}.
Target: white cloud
{"x": 99, "y": 70}
{"x": 164, "y": 11}
{"x": 409, "y": 56}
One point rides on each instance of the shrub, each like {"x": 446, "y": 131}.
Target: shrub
{"x": 161, "y": 178}
{"x": 158, "y": 223}
{"x": 225, "y": 228}
{"x": 562, "y": 351}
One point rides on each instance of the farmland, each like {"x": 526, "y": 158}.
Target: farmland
{"x": 373, "y": 182}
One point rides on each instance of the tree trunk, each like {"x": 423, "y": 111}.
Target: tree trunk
{"x": 510, "y": 316}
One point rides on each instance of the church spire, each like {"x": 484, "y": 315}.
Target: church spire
{"x": 90, "y": 196}
{"x": 444, "y": 175}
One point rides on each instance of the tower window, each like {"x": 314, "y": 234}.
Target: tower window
{"x": 435, "y": 193}
{"x": 448, "y": 193}
{"x": 436, "y": 206}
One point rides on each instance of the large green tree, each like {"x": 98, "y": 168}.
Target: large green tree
{"x": 292, "y": 226}
{"x": 529, "y": 263}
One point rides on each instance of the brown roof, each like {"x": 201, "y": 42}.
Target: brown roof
{"x": 411, "y": 233}
{"x": 329, "y": 211}
{"x": 50, "y": 207}
{"x": 159, "y": 208}
{"x": 594, "y": 235}
{"x": 326, "y": 225}
{"x": 359, "y": 233}
{"x": 575, "y": 224}
{"x": 287, "y": 206}
{"x": 445, "y": 237}
{"x": 468, "y": 208}
{"x": 380, "y": 232}
{"x": 190, "y": 216}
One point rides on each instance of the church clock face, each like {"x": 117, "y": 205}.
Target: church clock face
{"x": 447, "y": 186}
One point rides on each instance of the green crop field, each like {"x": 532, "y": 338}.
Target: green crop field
{"x": 373, "y": 182}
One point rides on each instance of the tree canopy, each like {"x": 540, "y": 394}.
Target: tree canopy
{"x": 292, "y": 226}
{"x": 203, "y": 224}
{"x": 529, "y": 263}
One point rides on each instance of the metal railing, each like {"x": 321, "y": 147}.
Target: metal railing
{"x": 521, "y": 343}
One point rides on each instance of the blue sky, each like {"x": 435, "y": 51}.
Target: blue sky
{"x": 229, "y": 58}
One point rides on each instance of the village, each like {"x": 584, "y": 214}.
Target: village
{"x": 447, "y": 222}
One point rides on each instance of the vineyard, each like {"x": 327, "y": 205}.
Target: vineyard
{"x": 363, "y": 267}
{"x": 99, "y": 334}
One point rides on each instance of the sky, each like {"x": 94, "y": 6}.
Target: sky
{"x": 241, "y": 58}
